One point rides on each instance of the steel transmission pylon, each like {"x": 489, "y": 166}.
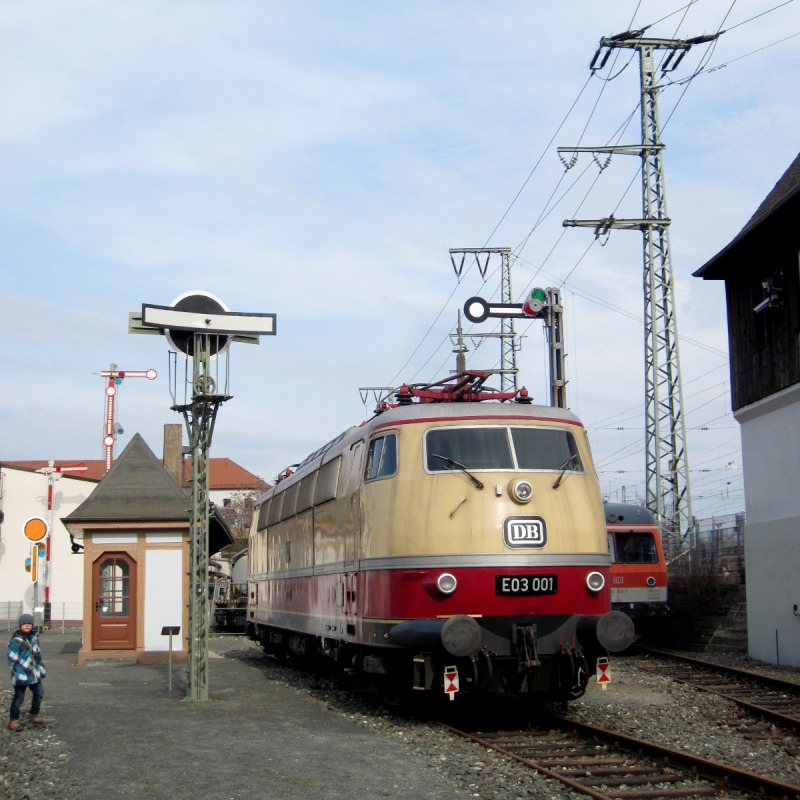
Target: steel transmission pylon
{"x": 200, "y": 327}
{"x": 508, "y": 337}
{"x": 668, "y": 492}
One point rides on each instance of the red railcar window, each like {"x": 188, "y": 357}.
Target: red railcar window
{"x": 636, "y": 548}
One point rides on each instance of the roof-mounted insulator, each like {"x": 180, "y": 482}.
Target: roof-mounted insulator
{"x": 523, "y": 396}
{"x": 286, "y": 473}
{"x": 404, "y": 396}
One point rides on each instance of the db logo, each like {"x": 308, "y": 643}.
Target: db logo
{"x": 524, "y": 532}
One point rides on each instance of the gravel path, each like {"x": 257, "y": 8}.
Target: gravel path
{"x": 34, "y": 764}
{"x": 33, "y": 761}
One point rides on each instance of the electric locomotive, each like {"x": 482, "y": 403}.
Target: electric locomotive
{"x": 455, "y": 542}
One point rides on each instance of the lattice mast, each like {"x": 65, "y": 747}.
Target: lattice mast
{"x": 201, "y": 327}
{"x": 199, "y": 415}
{"x": 508, "y": 342}
{"x": 668, "y": 492}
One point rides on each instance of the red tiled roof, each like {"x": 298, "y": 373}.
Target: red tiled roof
{"x": 226, "y": 474}
{"x": 223, "y": 473}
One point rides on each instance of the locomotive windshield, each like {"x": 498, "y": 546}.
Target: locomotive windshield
{"x": 502, "y": 448}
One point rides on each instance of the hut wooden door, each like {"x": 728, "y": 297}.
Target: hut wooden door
{"x": 114, "y": 599}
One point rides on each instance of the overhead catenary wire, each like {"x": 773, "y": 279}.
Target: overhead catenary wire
{"x": 684, "y": 8}
{"x": 566, "y": 280}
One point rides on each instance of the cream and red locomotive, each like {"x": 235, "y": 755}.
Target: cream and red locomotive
{"x": 453, "y": 542}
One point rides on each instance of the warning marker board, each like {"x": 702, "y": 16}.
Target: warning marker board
{"x": 451, "y": 681}
{"x": 603, "y": 672}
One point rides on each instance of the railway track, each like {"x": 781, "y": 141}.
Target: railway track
{"x": 606, "y": 764}
{"x": 775, "y": 700}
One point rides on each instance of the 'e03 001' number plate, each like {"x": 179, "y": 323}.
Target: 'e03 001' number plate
{"x": 525, "y": 585}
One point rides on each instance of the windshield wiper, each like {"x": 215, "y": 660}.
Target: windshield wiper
{"x": 450, "y": 464}
{"x": 564, "y": 468}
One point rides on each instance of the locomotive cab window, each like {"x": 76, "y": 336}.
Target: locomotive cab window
{"x": 381, "y": 457}
{"x": 636, "y": 548}
{"x": 546, "y": 448}
{"x": 473, "y": 448}
{"x": 503, "y": 448}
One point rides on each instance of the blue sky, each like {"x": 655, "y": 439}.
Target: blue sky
{"x": 317, "y": 160}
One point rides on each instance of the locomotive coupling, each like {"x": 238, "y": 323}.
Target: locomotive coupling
{"x": 460, "y": 635}
{"x": 612, "y": 632}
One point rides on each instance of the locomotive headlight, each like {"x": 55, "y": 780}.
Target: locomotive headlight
{"x": 521, "y": 491}
{"x": 651, "y": 581}
{"x": 595, "y": 581}
{"x": 441, "y": 585}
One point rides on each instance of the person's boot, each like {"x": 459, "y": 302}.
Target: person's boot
{"x": 35, "y": 719}
{"x": 13, "y": 725}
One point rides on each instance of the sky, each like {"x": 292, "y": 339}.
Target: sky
{"x": 317, "y": 160}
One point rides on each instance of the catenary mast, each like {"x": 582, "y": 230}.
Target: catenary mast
{"x": 508, "y": 353}
{"x": 666, "y": 463}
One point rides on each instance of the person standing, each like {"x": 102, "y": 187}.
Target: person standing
{"x": 27, "y": 672}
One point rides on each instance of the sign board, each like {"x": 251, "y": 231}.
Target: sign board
{"x": 451, "y": 681}
{"x": 603, "y": 672}
{"x": 35, "y": 529}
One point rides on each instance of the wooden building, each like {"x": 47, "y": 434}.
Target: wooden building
{"x": 761, "y": 271}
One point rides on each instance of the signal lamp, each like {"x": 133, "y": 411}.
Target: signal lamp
{"x": 534, "y": 303}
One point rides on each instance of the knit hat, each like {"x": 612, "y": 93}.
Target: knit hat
{"x": 25, "y": 619}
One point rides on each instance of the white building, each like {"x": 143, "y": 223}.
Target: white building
{"x": 762, "y": 287}
{"x": 24, "y": 493}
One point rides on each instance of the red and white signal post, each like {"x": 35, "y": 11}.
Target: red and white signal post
{"x": 115, "y": 377}
{"x": 36, "y": 531}
{"x": 53, "y": 473}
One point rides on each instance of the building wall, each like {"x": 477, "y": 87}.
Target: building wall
{"x": 764, "y": 346}
{"x": 24, "y": 495}
{"x": 162, "y": 588}
{"x": 164, "y": 602}
{"x": 771, "y": 461}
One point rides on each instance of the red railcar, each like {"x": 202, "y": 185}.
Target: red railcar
{"x": 639, "y": 576}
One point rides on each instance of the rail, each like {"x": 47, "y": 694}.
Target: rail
{"x": 605, "y": 764}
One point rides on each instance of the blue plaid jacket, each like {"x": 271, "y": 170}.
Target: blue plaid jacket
{"x": 25, "y": 659}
